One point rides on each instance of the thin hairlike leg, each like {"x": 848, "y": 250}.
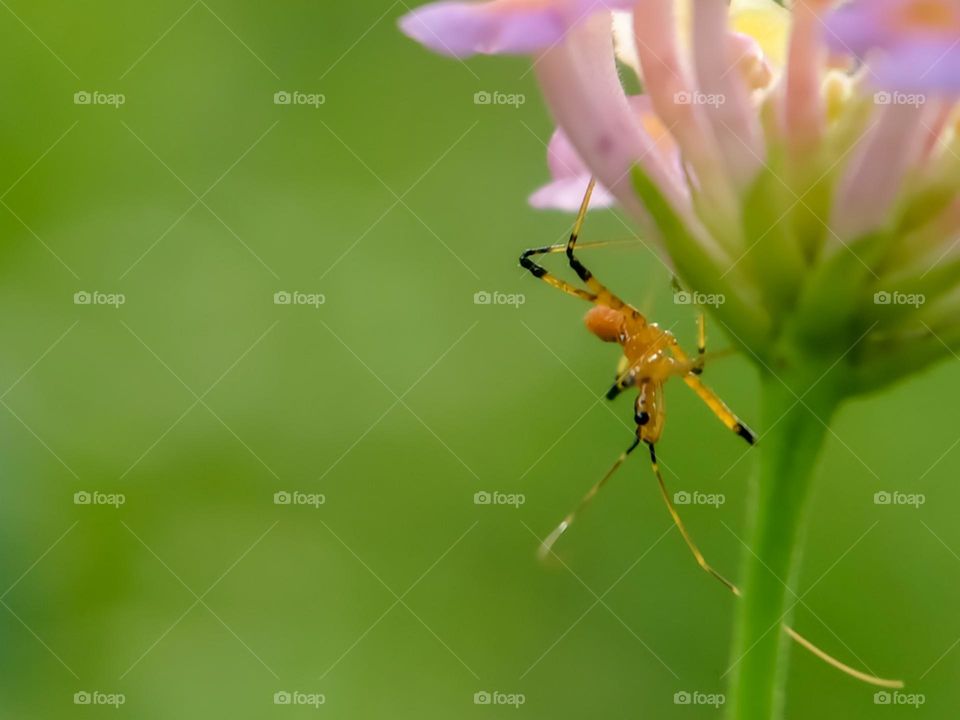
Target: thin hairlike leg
{"x": 546, "y": 547}
{"x": 701, "y": 561}
{"x": 793, "y": 634}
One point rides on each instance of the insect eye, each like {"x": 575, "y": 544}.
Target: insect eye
{"x": 642, "y": 418}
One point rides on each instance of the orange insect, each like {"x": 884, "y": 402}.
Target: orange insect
{"x": 651, "y": 356}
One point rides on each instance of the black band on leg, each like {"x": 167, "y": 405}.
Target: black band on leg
{"x": 745, "y": 432}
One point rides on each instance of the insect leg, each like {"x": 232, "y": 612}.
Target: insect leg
{"x": 538, "y": 271}
{"x": 625, "y": 379}
{"x": 710, "y": 398}
{"x": 720, "y": 409}
{"x": 701, "y": 344}
{"x": 793, "y": 634}
{"x": 546, "y": 547}
{"x": 701, "y": 561}
{"x": 604, "y": 296}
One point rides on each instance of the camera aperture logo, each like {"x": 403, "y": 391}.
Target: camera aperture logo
{"x": 886, "y": 297}
{"x": 114, "y": 300}
{"x": 714, "y": 500}
{"x": 495, "y": 697}
{"x": 699, "y": 98}
{"x": 314, "y": 300}
{"x": 484, "y": 297}
{"x": 95, "y": 697}
{"x": 885, "y": 697}
{"x": 299, "y": 499}
{"x": 302, "y": 699}
{"x": 114, "y": 100}
{"x": 514, "y": 100}
{"x": 99, "y": 499}
{"x": 899, "y": 499}
{"x": 514, "y": 500}
{"x": 714, "y": 700}
{"x": 682, "y": 297}
{"x": 899, "y": 98}
{"x": 296, "y": 97}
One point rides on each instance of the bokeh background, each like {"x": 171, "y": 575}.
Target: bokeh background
{"x": 397, "y": 199}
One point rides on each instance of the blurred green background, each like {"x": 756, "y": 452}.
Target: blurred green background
{"x": 398, "y": 399}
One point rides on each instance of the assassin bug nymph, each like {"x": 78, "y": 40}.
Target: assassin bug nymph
{"x": 651, "y": 356}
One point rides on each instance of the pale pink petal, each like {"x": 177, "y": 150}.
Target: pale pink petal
{"x": 567, "y": 194}
{"x": 804, "y": 115}
{"x": 934, "y": 133}
{"x": 582, "y": 88}
{"x": 571, "y": 175}
{"x": 875, "y": 176}
{"x": 678, "y": 103}
{"x": 570, "y": 179}
{"x": 747, "y": 57}
{"x": 734, "y": 120}
{"x": 462, "y": 29}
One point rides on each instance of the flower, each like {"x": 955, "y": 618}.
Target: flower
{"x": 778, "y": 157}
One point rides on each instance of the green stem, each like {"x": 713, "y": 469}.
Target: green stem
{"x": 788, "y": 451}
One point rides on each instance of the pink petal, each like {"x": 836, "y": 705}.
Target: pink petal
{"x": 462, "y": 29}
{"x": 582, "y": 88}
{"x": 875, "y": 176}
{"x": 804, "y": 114}
{"x": 571, "y": 175}
{"x": 734, "y": 121}
{"x": 678, "y": 102}
{"x": 570, "y": 179}
{"x": 567, "y": 193}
